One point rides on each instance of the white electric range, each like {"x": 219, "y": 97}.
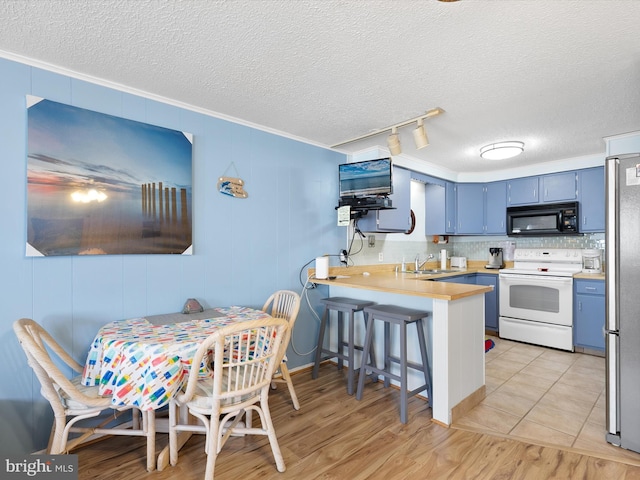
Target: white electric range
{"x": 536, "y": 296}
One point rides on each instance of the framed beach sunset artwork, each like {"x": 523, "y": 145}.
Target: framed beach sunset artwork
{"x": 99, "y": 184}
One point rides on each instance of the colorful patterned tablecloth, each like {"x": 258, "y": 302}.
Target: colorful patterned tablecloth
{"x": 142, "y": 364}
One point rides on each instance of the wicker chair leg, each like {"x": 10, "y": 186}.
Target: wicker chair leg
{"x": 287, "y": 377}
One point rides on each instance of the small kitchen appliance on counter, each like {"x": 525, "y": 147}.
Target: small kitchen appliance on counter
{"x": 591, "y": 261}
{"x": 495, "y": 258}
{"x": 459, "y": 262}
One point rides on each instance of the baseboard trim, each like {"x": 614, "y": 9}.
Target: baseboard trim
{"x": 466, "y": 405}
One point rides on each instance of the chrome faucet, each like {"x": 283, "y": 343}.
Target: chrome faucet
{"x": 419, "y": 265}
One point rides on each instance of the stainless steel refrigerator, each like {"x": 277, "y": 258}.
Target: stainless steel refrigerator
{"x": 622, "y": 327}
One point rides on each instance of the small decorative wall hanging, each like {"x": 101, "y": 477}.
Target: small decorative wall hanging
{"x": 232, "y": 186}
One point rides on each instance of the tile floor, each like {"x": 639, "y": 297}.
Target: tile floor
{"x": 546, "y": 396}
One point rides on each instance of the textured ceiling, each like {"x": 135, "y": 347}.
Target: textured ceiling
{"x": 558, "y": 75}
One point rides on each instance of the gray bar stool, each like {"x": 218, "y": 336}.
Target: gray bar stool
{"x": 342, "y": 305}
{"x": 401, "y": 316}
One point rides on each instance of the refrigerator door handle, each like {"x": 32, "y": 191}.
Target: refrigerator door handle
{"x": 611, "y": 317}
{"x": 612, "y": 400}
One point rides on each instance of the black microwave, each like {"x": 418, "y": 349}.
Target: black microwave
{"x": 543, "y": 219}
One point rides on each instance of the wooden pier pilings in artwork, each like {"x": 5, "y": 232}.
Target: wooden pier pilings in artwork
{"x": 160, "y": 208}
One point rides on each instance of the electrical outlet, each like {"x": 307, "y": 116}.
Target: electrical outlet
{"x": 380, "y": 257}
{"x": 343, "y": 256}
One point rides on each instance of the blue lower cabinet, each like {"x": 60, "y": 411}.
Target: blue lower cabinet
{"x": 588, "y": 314}
{"x": 468, "y": 278}
{"x": 491, "y": 299}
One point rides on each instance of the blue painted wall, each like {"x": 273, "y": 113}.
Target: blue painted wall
{"x": 244, "y": 249}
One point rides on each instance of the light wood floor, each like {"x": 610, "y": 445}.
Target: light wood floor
{"x": 333, "y": 436}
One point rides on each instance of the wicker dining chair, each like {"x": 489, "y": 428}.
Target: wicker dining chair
{"x": 73, "y": 402}
{"x": 245, "y": 355}
{"x": 284, "y": 304}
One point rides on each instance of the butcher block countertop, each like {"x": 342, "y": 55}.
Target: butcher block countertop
{"x": 590, "y": 276}
{"x": 383, "y": 278}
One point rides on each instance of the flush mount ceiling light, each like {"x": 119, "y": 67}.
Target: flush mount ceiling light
{"x": 501, "y": 150}
{"x": 393, "y": 140}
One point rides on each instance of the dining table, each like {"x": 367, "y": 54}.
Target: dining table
{"x": 143, "y": 363}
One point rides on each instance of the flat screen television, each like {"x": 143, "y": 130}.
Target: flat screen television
{"x": 364, "y": 179}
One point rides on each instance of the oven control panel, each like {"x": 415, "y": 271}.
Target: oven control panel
{"x": 548, "y": 255}
{"x": 546, "y": 261}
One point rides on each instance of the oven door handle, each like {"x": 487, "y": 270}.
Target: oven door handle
{"x": 546, "y": 278}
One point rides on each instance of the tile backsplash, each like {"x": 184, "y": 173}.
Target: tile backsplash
{"x": 472, "y": 247}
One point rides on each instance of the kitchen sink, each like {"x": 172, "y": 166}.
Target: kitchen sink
{"x": 431, "y": 272}
{"x": 437, "y": 270}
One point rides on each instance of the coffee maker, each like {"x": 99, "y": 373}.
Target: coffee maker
{"x": 495, "y": 258}
{"x": 591, "y": 260}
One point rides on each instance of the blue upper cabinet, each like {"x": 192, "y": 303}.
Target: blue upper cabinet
{"x": 440, "y": 208}
{"x": 450, "y": 210}
{"x": 481, "y": 208}
{"x": 495, "y": 208}
{"x": 550, "y": 188}
{"x": 591, "y": 195}
{"x": 470, "y": 208}
{"x": 522, "y": 191}
{"x": 559, "y": 187}
{"x": 435, "y": 203}
{"x": 397, "y": 219}
{"x": 466, "y": 208}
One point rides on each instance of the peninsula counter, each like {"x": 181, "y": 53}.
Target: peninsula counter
{"x": 455, "y": 329}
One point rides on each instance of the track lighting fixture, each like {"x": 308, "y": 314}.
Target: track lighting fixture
{"x": 393, "y": 140}
{"x": 420, "y": 135}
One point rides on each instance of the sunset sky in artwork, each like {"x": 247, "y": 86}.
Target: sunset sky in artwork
{"x": 74, "y": 147}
